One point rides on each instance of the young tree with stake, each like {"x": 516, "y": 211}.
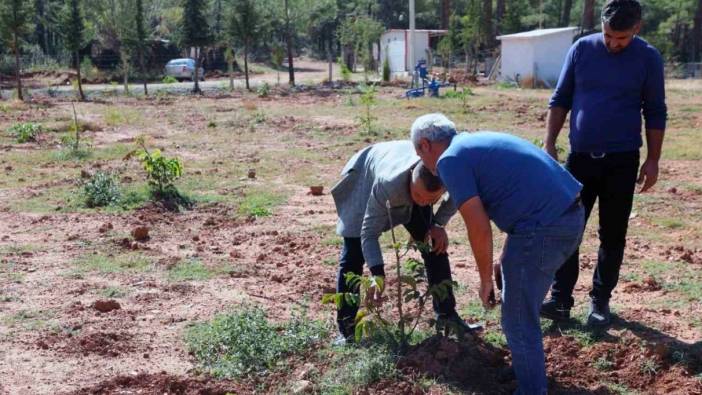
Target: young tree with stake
{"x": 14, "y": 21}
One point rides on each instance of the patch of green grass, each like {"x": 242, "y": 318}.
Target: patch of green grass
{"x": 620, "y": 389}
{"x": 190, "y": 270}
{"x": 113, "y": 292}
{"x": 690, "y": 287}
{"x": 28, "y": 319}
{"x": 18, "y": 249}
{"x": 260, "y": 204}
{"x": 333, "y": 241}
{"x": 495, "y": 337}
{"x": 329, "y": 261}
{"x": 114, "y": 116}
{"x": 670, "y": 223}
{"x": 354, "y": 368}
{"x": 656, "y": 268}
{"x": 132, "y": 262}
{"x": 244, "y": 342}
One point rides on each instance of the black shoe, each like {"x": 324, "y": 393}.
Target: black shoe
{"x": 454, "y": 322}
{"x": 555, "y": 311}
{"x": 599, "y": 316}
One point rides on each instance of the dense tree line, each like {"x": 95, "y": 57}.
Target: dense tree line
{"x": 327, "y": 29}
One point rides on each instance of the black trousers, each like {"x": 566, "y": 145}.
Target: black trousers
{"x": 436, "y": 265}
{"x": 612, "y": 180}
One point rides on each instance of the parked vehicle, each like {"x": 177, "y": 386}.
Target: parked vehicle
{"x": 182, "y": 69}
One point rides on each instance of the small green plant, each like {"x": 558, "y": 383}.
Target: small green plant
{"x": 161, "y": 172}
{"x": 370, "y": 320}
{"x": 386, "y": 69}
{"x": 25, "y": 132}
{"x": 169, "y": 79}
{"x": 244, "y": 343}
{"x": 649, "y": 367}
{"x": 462, "y": 95}
{"x": 345, "y": 71}
{"x": 277, "y": 55}
{"x": 101, "y": 190}
{"x": 263, "y": 90}
{"x": 72, "y": 141}
{"x": 368, "y": 100}
{"x": 258, "y": 117}
{"x": 603, "y": 363}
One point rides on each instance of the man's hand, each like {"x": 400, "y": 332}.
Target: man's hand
{"x": 487, "y": 294}
{"x": 438, "y": 238}
{"x": 648, "y": 175}
{"x": 551, "y": 150}
{"x": 374, "y": 296}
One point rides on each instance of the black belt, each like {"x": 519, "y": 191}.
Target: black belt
{"x": 602, "y": 155}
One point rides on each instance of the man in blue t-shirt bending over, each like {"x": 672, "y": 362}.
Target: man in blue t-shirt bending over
{"x": 608, "y": 81}
{"x": 529, "y": 196}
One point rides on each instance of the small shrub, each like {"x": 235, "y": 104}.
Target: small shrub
{"x": 25, "y": 132}
{"x": 345, "y": 71}
{"x": 88, "y": 71}
{"x": 101, "y": 190}
{"x": 161, "y": 171}
{"x": 386, "y": 70}
{"x": 263, "y": 90}
{"x": 368, "y": 100}
{"x": 244, "y": 343}
{"x": 169, "y": 79}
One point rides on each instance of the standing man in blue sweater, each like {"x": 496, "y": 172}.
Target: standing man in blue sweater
{"x": 607, "y": 82}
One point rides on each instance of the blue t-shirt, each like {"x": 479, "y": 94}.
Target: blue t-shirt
{"x": 518, "y": 184}
{"x": 608, "y": 92}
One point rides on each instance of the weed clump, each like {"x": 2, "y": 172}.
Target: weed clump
{"x": 243, "y": 343}
{"x": 25, "y": 132}
{"x": 101, "y": 190}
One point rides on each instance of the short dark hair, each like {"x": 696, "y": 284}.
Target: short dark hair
{"x": 431, "y": 182}
{"x": 621, "y": 15}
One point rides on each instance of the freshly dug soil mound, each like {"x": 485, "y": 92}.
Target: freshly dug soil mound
{"x": 161, "y": 383}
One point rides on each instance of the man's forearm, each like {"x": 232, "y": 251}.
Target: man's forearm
{"x": 555, "y": 121}
{"x": 654, "y": 143}
{"x": 479, "y": 235}
{"x": 481, "y": 243}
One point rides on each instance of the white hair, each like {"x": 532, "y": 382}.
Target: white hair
{"x": 433, "y": 127}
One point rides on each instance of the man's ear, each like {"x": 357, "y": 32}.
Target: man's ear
{"x": 637, "y": 28}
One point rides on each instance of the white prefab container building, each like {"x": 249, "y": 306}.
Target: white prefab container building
{"x": 394, "y": 45}
{"x": 535, "y": 58}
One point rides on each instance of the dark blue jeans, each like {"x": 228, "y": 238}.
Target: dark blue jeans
{"x": 351, "y": 261}
{"x": 612, "y": 180}
{"x": 529, "y": 261}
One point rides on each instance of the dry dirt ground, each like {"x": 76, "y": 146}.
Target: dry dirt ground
{"x": 85, "y": 307}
